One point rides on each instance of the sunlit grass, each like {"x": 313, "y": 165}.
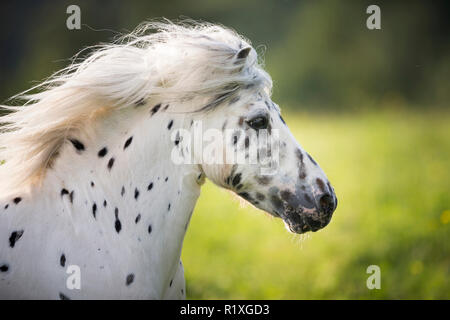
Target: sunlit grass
{"x": 391, "y": 175}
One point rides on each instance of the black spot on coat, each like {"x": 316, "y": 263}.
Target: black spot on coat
{"x": 94, "y": 210}
{"x": 63, "y": 296}
{"x": 236, "y": 179}
{"x": 14, "y": 237}
{"x": 4, "y": 268}
{"x": 102, "y": 152}
{"x": 128, "y": 142}
{"x": 321, "y": 184}
{"x": 276, "y": 202}
{"x": 136, "y": 193}
{"x": 260, "y": 196}
{"x": 264, "y": 180}
{"x": 110, "y": 163}
{"x": 17, "y": 200}
{"x": 155, "y": 109}
{"x": 302, "y": 170}
{"x": 246, "y": 196}
{"x": 117, "y": 224}
{"x": 287, "y": 195}
{"x": 169, "y": 126}
{"x": 62, "y": 260}
{"x": 77, "y": 144}
{"x": 130, "y": 279}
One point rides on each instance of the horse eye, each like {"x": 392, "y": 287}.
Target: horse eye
{"x": 258, "y": 123}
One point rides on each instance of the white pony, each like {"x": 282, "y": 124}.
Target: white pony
{"x": 92, "y": 203}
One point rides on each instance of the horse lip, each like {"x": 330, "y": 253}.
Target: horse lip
{"x": 301, "y": 219}
{"x": 304, "y": 224}
{"x": 299, "y": 228}
{"x": 296, "y": 227}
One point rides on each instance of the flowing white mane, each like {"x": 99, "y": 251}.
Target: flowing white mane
{"x": 174, "y": 62}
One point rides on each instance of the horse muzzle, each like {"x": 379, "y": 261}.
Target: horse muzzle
{"x": 304, "y": 212}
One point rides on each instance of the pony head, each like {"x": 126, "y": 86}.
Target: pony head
{"x": 251, "y": 151}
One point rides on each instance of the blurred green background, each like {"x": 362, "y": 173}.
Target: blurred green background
{"x": 372, "y": 106}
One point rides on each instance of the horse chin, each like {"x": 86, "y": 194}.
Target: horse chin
{"x": 297, "y": 228}
{"x": 301, "y": 223}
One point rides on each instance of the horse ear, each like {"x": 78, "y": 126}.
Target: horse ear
{"x": 243, "y": 53}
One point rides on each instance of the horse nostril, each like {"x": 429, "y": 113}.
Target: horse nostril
{"x": 326, "y": 203}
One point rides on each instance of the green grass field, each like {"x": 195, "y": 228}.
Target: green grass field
{"x": 391, "y": 174}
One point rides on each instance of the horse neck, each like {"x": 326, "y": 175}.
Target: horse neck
{"x": 124, "y": 171}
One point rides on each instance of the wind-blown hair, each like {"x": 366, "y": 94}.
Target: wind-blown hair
{"x": 174, "y": 62}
